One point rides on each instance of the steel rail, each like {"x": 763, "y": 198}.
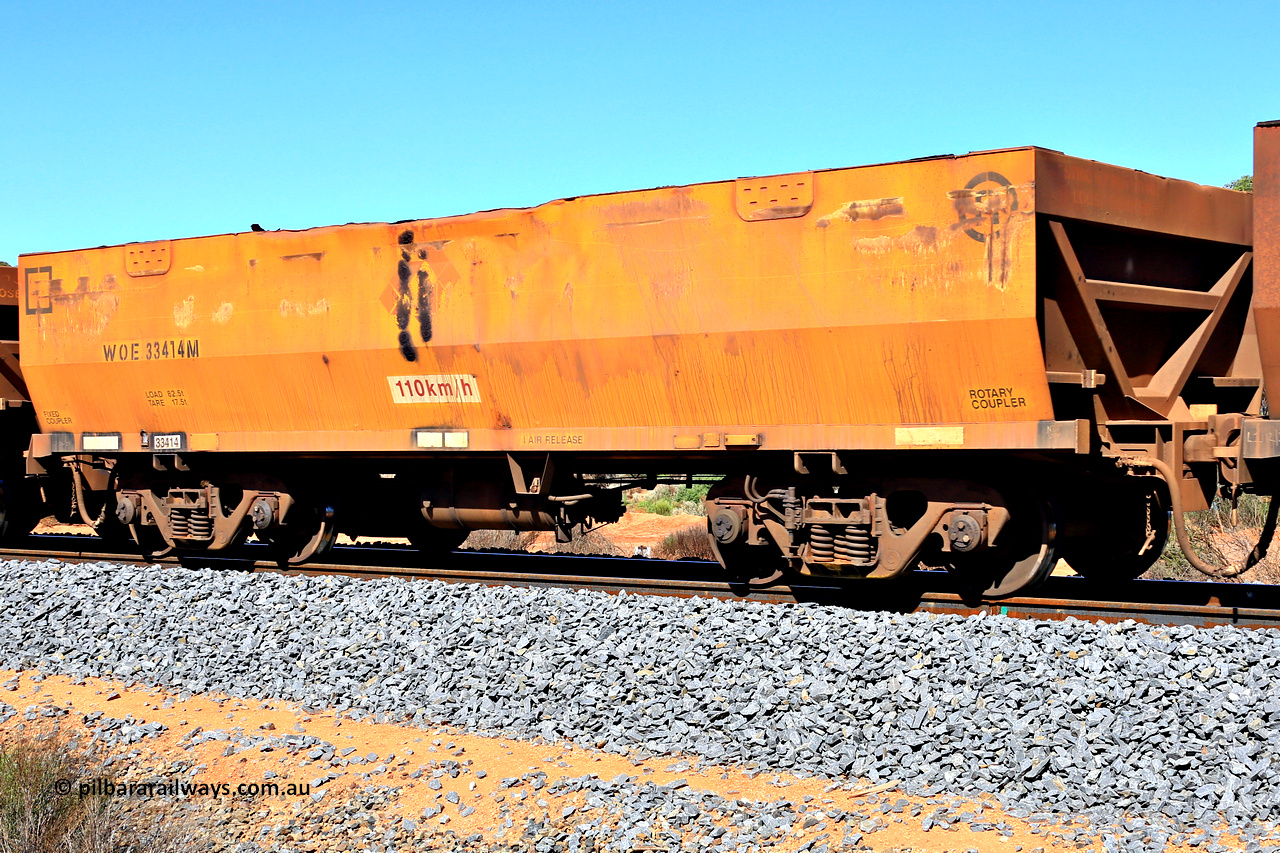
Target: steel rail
{"x": 1197, "y": 603}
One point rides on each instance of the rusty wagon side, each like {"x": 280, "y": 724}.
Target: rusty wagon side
{"x": 871, "y": 358}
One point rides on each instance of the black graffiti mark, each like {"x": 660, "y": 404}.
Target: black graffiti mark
{"x": 405, "y": 306}
{"x": 991, "y": 178}
{"x": 402, "y": 306}
{"x": 402, "y": 302}
{"x": 406, "y": 347}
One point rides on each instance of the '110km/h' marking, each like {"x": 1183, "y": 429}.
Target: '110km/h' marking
{"x": 435, "y": 388}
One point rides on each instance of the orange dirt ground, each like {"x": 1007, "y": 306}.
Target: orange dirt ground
{"x": 632, "y": 530}
{"x": 635, "y": 529}
{"x": 404, "y": 749}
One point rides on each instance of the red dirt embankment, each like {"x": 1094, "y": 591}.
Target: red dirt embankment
{"x": 634, "y": 529}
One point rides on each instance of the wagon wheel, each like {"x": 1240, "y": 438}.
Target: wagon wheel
{"x": 16, "y": 502}
{"x": 1024, "y": 555}
{"x": 308, "y": 531}
{"x": 1135, "y": 527}
{"x": 749, "y": 565}
{"x": 746, "y": 565}
{"x": 150, "y": 541}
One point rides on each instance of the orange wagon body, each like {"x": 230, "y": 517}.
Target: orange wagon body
{"x": 840, "y": 305}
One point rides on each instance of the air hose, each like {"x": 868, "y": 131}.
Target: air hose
{"x": 1180, "y": 526}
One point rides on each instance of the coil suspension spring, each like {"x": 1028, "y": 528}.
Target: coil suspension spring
{"x": 201, "y": 525}
{"x": 856, "y": 545}
{"x": 187, "y": 523}
{"x": 822, "y": 543}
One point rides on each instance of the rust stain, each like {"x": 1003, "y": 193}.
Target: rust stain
{"x": 780, "y": 211}
{"x": 867, "y": 210}
{"x": 653, "y": 221}
{"x": 1266, "y": 240}
{"x": 919, "y": 238}
{"x": 91, "y": 312}
{"x": 922, "y": 238}
{"x": 668, "y": 206}
{"x": 989, "y": 209}
{"x": 655, "y": 238}
{"x": 906, "y": 368}
{"x": 88, "y": 309}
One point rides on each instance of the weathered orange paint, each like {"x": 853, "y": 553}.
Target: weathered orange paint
{"x": 1266, "y": 279}
{"x": 615, "y": 321}
{"x": 8, "y": 285}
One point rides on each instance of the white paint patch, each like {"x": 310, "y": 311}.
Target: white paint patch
{"x": 303, "y": 309}
{"x": 184, "y": 313}
{"x": 952, "y": 436}
{"x": 223, "y": 314}
{"x": 100, "y": 442}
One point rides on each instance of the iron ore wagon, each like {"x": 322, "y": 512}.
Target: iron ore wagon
{"x": 987, "y": 361}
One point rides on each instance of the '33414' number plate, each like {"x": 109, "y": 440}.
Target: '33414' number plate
{"x": 167, "y": 441}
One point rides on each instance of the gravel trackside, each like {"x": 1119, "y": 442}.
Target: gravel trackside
{"x": 1162, "y": 734}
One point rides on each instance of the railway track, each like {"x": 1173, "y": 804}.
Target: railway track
{"x": 1157, "y": 602}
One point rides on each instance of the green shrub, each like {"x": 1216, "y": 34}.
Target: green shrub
{"x": 35, "y": 818}
{"x": 687, "y": 543}
{"x": 692, "y": 494}
{"x": 669, "y": 500}
{"x": 659, "y": 506}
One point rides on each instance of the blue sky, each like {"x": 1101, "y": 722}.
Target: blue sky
{"x": 147, "y": 120}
